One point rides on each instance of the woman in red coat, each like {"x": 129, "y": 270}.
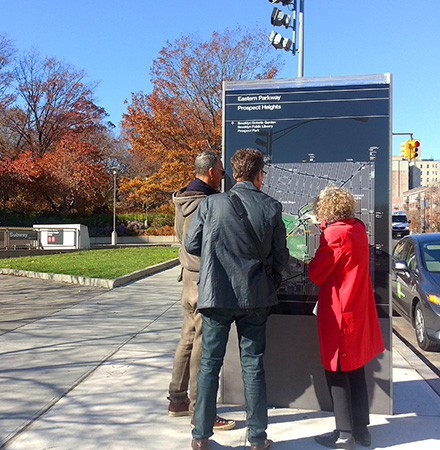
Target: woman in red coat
{"x": 348, "y": 326}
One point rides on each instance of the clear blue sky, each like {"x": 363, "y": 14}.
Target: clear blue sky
{"x": 115, "y": 42}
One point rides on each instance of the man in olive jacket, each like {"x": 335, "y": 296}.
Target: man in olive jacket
{"x": 235, "y": 286}
{"x": 209, "y": 174}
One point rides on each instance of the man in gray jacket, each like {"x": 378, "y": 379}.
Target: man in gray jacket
{"x": 209, "y": 174}
{"x": 235, "y": 285}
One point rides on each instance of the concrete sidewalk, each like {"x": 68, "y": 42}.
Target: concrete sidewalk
{"x": 95, "y": 376}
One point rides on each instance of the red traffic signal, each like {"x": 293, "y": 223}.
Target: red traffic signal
{"x": 414, "y": 148}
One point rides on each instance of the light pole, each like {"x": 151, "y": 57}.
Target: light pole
{"x": 294, "y": 21}
{"x": 146, "y": 209}
{"x": 300, "y": 14}
{"x": 114, "y": 234}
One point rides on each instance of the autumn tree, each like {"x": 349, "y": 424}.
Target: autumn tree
{"x": 52, "y": 100}
{"x": 78, "y": 171}
{"x": 55, "y": 146}
{"x": 432, "y": 211}
{"x": 71, "y": 178}
{"x": 181, "y": 117}
{"x": 6, "y": 52}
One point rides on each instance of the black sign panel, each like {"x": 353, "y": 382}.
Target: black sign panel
{"x": 55, "y": 237}
{"x": 23, "y": 235}
{"x": 314, "y": 132}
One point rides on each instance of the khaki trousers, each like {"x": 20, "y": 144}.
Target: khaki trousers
{"x": 187, "y": 357}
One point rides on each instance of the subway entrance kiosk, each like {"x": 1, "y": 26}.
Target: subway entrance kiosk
{"x": 63, "y": 237}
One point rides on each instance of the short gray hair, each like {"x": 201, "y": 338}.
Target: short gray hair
{"x": 204, "y": 161}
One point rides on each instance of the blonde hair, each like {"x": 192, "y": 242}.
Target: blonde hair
{"x": 334, "y": 203}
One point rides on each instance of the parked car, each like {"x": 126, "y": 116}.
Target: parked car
{"x": 416, "y": 286}
{"x": 400, "y": 224}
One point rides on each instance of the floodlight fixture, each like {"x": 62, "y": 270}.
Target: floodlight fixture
{"x": 284, "y": 2}
{"x": 279, "y": 41}
{"x": 275, "y": 39}
{"x": 279, "y": 18}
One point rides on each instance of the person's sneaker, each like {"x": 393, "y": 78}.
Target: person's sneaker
{"x": 177, "y": 409}
{"x": 263, "y": 446}
{"x": 220, "y": 424}
{"x": 333, "y": 440}
{"x": 363, "y": 438}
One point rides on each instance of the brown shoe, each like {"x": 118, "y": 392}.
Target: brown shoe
{"x": 177, "y": 409}
{"x": 199, "y": 444}
{"x": 263, "y": 446}
{"x": 220, "y": 424}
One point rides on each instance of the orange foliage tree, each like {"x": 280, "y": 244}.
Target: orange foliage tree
{"x": 52, "y": 100}
{"x": 79, "y": 173}
{"x": 55, "y": 147}
{"x": 182, "y": 116}
{"x": 70, "y": 178}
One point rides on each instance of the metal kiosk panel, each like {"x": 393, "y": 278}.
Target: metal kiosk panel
{"x": 314, "y": 131}
{"x": 63, "y": 236}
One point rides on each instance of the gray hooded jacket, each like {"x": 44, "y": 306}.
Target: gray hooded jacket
{"x": 186, "y": 204}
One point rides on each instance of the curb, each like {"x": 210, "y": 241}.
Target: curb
{"x": 97, "y": 282}
{"x": 414, "y": 360}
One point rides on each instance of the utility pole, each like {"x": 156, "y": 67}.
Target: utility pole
{"x": 279, "y": 18}
{"x": 300, "y": 15}
{"x": 114, "y": 233}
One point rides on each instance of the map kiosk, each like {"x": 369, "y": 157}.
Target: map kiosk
{"x": 314, "y": 131}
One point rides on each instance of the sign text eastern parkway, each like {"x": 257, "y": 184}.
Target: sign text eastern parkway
{"x": 258, "y": 98}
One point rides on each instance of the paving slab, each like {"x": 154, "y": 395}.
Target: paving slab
{"x": 25, "y": 300}
{"x": 122, "y": 405}
{"x": 45, "y": 359}
{"x": 112, "y": 356}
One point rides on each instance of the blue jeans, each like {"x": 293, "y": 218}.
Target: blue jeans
{"x": 251, "y": 328}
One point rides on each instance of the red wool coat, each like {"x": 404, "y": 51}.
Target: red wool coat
{"x": 348, "y": 325}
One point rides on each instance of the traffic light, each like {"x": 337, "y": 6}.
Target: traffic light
{"x": 414, "y": 148}
{"x": 405, "y": 149}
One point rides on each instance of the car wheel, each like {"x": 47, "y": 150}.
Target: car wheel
{"x": 422, "y": 338}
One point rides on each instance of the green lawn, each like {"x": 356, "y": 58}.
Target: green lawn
{"x": 106, "y": 263}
